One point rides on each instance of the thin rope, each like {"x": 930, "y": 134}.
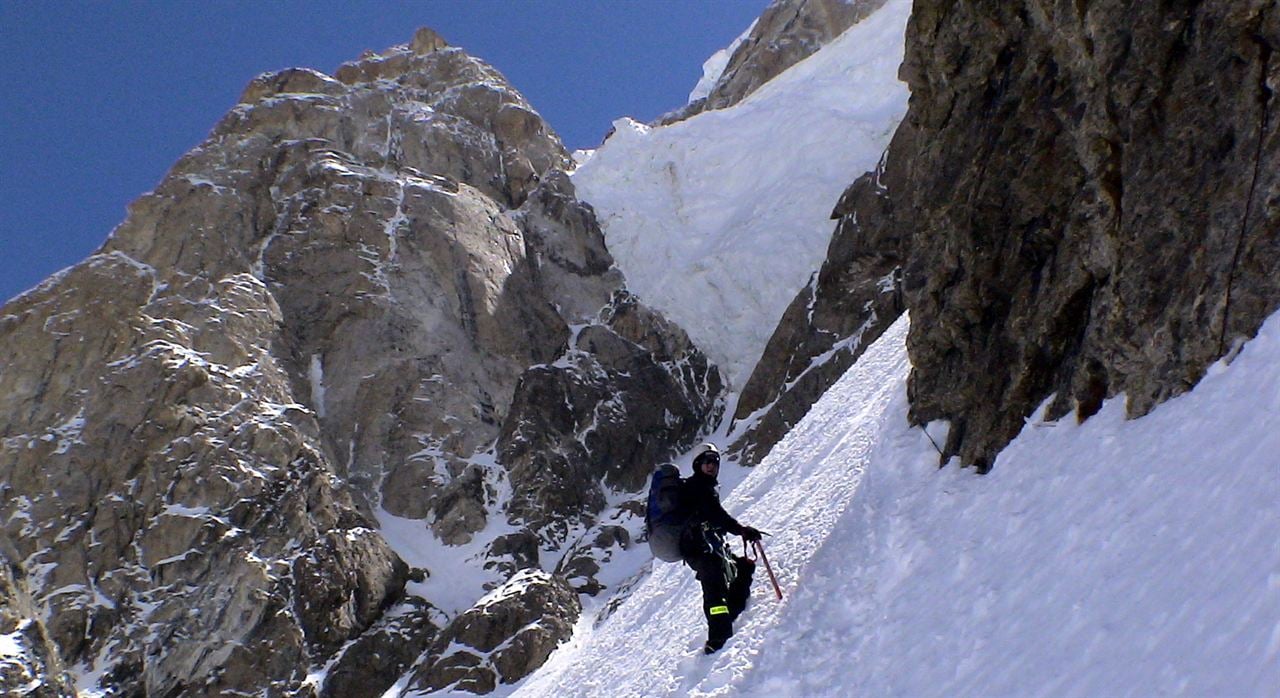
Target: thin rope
{"x": 935, "y": 443}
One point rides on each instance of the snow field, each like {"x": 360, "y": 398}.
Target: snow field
{"x": 1112, "y": 558}
{"x": 719, "y": 220}
{"x": 652, "y": 644}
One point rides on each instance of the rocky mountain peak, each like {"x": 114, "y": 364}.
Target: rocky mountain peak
{"x": 426, "y": 40}
{"x": 365, "y": 300}
{"x": 787, "y": 32}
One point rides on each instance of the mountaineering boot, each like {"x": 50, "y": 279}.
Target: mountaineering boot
{"x": 719, "y": 632}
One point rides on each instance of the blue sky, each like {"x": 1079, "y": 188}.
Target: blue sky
{"x": 101, "y": 98}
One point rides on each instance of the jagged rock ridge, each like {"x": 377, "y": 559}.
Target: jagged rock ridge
{"x": 787, "y": 32}
{"x": 1084, "y": 200}
{"x": 349, "y": 302}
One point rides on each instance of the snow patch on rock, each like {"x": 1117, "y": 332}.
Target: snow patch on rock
{"x": 714, "y": 67}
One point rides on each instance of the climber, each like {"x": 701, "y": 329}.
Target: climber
{"x": 725, "y": 577}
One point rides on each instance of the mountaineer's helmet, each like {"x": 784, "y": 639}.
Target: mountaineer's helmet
{"x": 707, "y": 452}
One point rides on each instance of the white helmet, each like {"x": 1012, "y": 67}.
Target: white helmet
{"x": 706, "y": 452}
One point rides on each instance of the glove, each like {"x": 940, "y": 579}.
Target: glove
{"x": 750, "y": 534}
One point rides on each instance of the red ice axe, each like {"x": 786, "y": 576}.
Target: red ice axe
{"x": 759, "y": 548}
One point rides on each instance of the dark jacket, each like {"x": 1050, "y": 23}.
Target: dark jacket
{"x": 698, "y": 497}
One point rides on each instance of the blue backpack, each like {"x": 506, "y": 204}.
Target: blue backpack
{"x": 663, "y": 519}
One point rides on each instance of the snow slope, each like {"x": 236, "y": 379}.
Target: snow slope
{"x": 1110, "y": 558}
{"x": 719, "y": 220}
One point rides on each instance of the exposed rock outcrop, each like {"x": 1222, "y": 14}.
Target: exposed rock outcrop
{"x": 166, "y": 494}
{"x": 787, "y": 32}
{"x": 1098, "y": 204}
{"x": 626, "y": 390}
{"x": 503, "y": 638}
{"x": 1091, "y": 198}
{"x": 343, "y": 305}
{"x": 29, "y": 662}
{"x": 373, "y": 662}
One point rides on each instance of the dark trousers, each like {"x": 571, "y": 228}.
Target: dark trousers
{"x": 726, "y": 585}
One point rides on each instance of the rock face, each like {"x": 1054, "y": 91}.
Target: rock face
{"x": 168, "y": 499}
{"x": 346, "y": 304}
{"x": 594, "y": 411}
{"x": 1099, "y": 189}
{"x": 787, "y": 32}
{"x": 371, "y": 663}
{"x": 29, "y": 663}
{"x": 503, "y": 638}
{"x": 1090, "y": 195}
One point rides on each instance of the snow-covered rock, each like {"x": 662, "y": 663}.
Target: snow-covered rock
{"x": 29, "y": 662}
{"x": 787, "y": 32}
{"x": 714, "y": 67}
{"x": 718, "y": 221}
{"x": 505, "y": 636}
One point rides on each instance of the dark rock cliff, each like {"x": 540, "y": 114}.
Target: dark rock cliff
{"x": 1085, "y": 198}
{"x": 1097, "y": 198}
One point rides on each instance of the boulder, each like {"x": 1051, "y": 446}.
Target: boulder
{"x": 506, "y": 636}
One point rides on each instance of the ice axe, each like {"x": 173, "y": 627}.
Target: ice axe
{"x": 759, "y": 549}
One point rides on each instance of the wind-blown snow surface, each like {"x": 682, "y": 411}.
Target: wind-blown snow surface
{"x": 1110, "y": 558}
{"x": 719, "y": 220}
